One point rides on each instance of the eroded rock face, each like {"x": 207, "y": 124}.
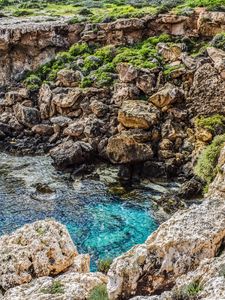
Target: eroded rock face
{"x": 72, "y": 286}
{"x": 178, "y": 246}
{"x": 40, "y": 249}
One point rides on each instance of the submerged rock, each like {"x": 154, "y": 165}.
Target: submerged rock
{"x": 40, "y": 249}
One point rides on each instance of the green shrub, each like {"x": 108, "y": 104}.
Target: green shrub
{"x": 104, "y": 265}
{"x": 188, "y": 292}
{"x": 206, "y": 164}
{"x": 219, "y": 41}
{"x": 56, "y": 288}
{"x": 22, "y": 12}
{"x": 99, "y": 293}
{"x": 33, "y": 82}
{"x": 214, "y": 123}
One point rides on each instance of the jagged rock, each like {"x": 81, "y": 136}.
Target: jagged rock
{"x": 127, "y": 73}
{"x": 207, "y": 94}
{"x": 40, "y": 249}
{"x": 170, "y": 53}
{"x": 71, "y": 153}
{"x": 68, "y": 78}
{"x": 43, "y": 129}
{"x": 167, "y": 95}
{"x": 47, "y": 108}
{"x": 146, "y": 81}
{"x": 170, "y": 252}
{"x": 71, "y": 286}
{"x": 125, "y": 91}
{"x": 218, "y": 58}
{"x": 211, "y": 23}
{"x": 12, "y": 97}
{"x": 123, "y": 148}
{"x": 98, "y": 108}
{"x": 68, "y": 100}
{"x": 81, "y": 264}
{"x": 75, "y": 129}
{"x": 28, "y": 116}
{"x": 138, "y": 114}
{"x": 203, "y": 135}
{"x": 61, "y": 121}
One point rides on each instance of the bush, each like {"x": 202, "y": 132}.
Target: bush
{"x": 99, "y": 293}
{"x": 215, "y": 124}
{"x": 206, "y": 164}
{"x": 33, "y": 82}
{"x": 104, "y": 265}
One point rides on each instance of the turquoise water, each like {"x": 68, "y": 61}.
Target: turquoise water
{"x": 100, "y": 223}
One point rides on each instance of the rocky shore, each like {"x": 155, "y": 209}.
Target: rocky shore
{"x": 156, "y": 103}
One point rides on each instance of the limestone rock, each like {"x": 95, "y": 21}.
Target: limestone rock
{"x": 138, "y": 114}
{"x": 70, "y": 153}
{"x": 40, "y": 249}
{"x": 28, "y": 116}
{"x": 170, "y": 53}
{"x": 68, "y": 100}
{"x": 127, "y": 73}
{"x": 123, "y": 148}
{"x": 71, "y": 286}
{"x": 43, "y": 129}
{"x": 125, "y": 91}
{"x": 170, "y": 252}
{"x": 47, "y": 108}
{"x": 167, "y": 95}
{"x": 68, "y": 78}
{"x": 98, "y": 108}
{"x": 146, "y": 81}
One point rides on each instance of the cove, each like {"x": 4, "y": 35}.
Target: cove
{"x": 100, "y": 223}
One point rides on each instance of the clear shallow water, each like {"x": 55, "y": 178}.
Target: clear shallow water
{"x": 100, "y": 223}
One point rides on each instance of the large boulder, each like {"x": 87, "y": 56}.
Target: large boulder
{"x": 138, "y": 114}
{"x": 167, "y": 95}
{"x": 28, "y": 116}
{"x": 207, "y": 94}
{"x": 40, "y": 249}
{"x": 123, "y": 148}
{"x": 69, "y": 154}
{"x": 64, "y": 287}
{"x": 178, "y": 246}
{"x": 63, "y": 100}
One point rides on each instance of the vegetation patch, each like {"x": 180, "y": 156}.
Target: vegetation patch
{"x": 215, "y": 124}
{"x": 99, "y": 293}
{"x": 206, "y": 167}
{"x": 188, "y": 292}
{"x": 56, "y": 288}
{"x": 104, "y": 265}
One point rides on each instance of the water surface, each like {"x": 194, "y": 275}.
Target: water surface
{"x": 99, "y": 222}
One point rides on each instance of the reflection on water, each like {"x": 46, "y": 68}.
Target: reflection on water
{"x": 99, "y": 223}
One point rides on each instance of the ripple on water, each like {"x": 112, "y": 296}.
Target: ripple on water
{"x": 99, "y": 223}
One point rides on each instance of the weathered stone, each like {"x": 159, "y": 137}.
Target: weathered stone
{"x": 167, "y": 95}
{"x": 68, "y": 78}
{"x": 75, "y": 129}
{"x": 98, "y": 108}
{"x": 170, "y": 252}
{"x": 127, "y": 73}
{"x": 71, "y": 153}
{"x": 26, "y": 115}
{"x": 218, "y": 58}
{"x": 73, "y": 286}
{"x": 13, "y": 97}
{"x": 47, "y": 108}
{"x": 44, "y": 247}
{"x": 170, "y": 53}
{"x": 138, "y": 114}
{"x": 123, "y": 148}
{"x": 61, "y": 121}
{"x": 43, "y": 129}
{"x": 125, "y": 91}
{"x": 68, "y": 100}
{"x": 146, "y": 81}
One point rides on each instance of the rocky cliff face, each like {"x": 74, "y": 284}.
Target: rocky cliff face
{"x": 27, "y": 44}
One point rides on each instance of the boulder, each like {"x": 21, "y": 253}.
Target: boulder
{"x": 218, "y": 58}
{"x": 43, "y": 129}
{"x": 68, "y": 78}
{"x": 178, "y": 246}
{"x": 99, "y": 109}
{"x": 47, "y": 108}
{"x": 125, "y": 91}
{"x": 122, "y": 149}
{"x": 146, "y": 81}
{"x": 127, "y": 73}
{"x": 28, "y": 116}
{"x": 138, "y": 114}
{"x": 40, "y": 249}
{"x": 68, "y": 100}
{"x": 167, "y": 95}
{"x": 170, "y": 53}
{"x": 64, "y": 287}
{"x": 207, "y": 94}
{"x": 69, "y": 154}
{"x": 61, "y": 121}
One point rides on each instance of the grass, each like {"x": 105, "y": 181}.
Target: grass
{"x": 188, "y": 292}
{"x": 214, "y": 124}
{"x": 56, "y": 288}
{"x": 206, "y": 166}
{"x": 104, "y": 265}
{"x": 99, "y": 293}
